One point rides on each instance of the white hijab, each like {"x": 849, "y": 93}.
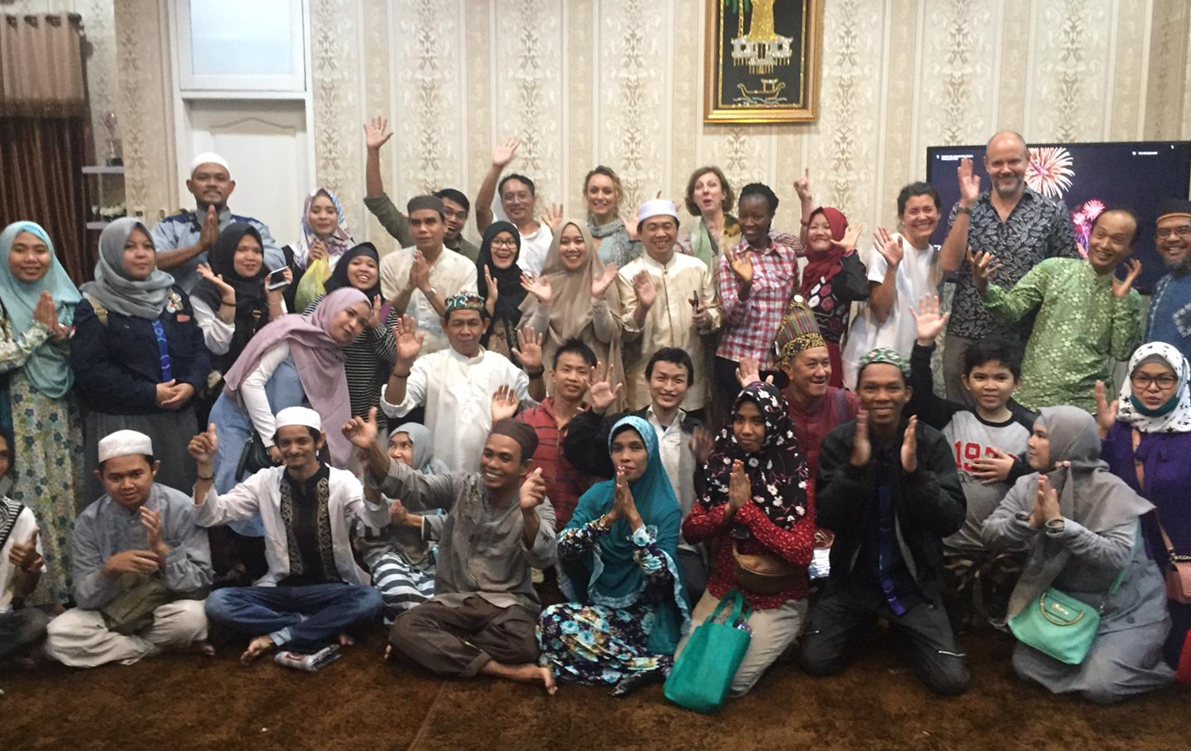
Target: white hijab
{"x": 1178, "y": 420}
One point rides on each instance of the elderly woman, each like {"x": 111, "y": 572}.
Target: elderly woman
{"x": 1147, "y": 442}
{"x": 833, "y": 279}
{"x": 575, "y": 297}
{"x": 37, "y": 306}
{"x": 1079, "y": 523}
{"x": 619, "y": 570}
{"x": 615, "y": 241}
{"x": 756, "y": 511}
{"x": 498, "y": 280}
{"x": 709, "y": 198}
{"x": 138, "y": 355}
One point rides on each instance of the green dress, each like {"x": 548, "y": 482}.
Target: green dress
{"x": 46, "y": 457}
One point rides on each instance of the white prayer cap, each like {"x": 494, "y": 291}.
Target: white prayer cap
{"x": 125, "y": 443}
{"x": 299, "y": 416}
{"x": 209, "y": 157}
{"x": 657, "y": 207}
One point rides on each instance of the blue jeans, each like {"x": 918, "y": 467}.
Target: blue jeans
{"x": 310, "y": 615}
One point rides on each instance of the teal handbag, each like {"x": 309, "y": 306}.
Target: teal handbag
{"x": 1059, "y": 625}
{"x": 704, "y": 670}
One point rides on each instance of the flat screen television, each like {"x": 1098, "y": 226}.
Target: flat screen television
{"x": 1087, "y": 178}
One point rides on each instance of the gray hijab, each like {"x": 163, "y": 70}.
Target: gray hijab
{"x": 1089, "y": 494}
{"x": 423, "y": 440}
{"x": 113, "y": 289}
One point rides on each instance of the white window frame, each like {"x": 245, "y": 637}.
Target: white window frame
{"x": 191, "y": 82}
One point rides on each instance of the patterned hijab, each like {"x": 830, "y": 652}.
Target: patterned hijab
{"x": 47, "y": 367}
{"x": 778, "y": 471}
{"x": 337, "y": 243}
{"x": 1176, "y": 419}
{"x": 114, "y": 289}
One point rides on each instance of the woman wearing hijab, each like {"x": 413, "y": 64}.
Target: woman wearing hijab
{"x": 1079, "y": 525}
{"x": 499, "y": 282}
{"x": 324, "y": 232}
{"x": 618, "y": 559}
{"x": 756, "y": 511}
{"x": 575, "y": 297}
{"x": 1147, "y": 441}
{"x": 833, "y": 279}
{"x": 370, "y": 358}
{"x": 138, "y": 355}
{"x": 401, "y": 558}
{"x": 37, "y": 306}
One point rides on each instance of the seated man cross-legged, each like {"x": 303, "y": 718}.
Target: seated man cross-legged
{"x": 313, "y": 591}
{"x": 141, "y": 566}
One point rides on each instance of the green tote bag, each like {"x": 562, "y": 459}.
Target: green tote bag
{"x": 704, "y": 670}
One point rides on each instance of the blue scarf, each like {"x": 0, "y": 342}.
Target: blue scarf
{"x": 610, "y": 575}
{"x": 48, "y": 366}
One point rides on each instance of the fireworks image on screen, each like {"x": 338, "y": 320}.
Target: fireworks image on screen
{"x": 1050, "y": 170}
{"x": 1083, "y": 218}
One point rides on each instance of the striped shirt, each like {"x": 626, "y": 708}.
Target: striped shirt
{"x": 750, "y": 325}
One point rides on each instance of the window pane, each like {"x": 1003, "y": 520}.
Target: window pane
{"x": 238, "y": 38}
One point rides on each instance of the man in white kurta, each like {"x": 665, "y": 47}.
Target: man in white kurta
{"x": 20, "y": 569}
{"x": 313, "y": 591}
{"x": 669, "y": 300}
{"x": 456, "y": 384}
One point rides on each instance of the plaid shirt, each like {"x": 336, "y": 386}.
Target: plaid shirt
{"x": 750, "y": 325}
{"x": 564, "y": 483}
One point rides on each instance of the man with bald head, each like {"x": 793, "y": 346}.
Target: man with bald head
{"x": 1014, "y": 223}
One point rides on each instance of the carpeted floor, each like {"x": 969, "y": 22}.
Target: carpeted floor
{"x": 183, "y": 702}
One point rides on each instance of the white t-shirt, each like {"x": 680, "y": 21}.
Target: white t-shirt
{"x": 534, "y": 248}
{"x": 918, "y": 274}
{"x": 22, "y": 530}
{"x": 450, "y": 275}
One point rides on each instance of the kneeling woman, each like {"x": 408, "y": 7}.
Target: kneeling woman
{"x": 761, "y": 525}
{"x": 1080, "y": 523}
{"x": 619, "y": 568}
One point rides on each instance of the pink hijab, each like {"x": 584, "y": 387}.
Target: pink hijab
{"x": 318, "y": 359}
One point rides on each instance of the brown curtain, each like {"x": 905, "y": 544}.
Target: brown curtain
{"x": 43, "y": 132}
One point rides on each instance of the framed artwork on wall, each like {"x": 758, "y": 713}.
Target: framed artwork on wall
{"x": 762, "y": 61}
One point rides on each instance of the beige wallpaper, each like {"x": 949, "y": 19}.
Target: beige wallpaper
{"x": 620, "y": 82}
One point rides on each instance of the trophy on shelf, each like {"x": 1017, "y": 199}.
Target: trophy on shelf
{"x": 114, "y": 151}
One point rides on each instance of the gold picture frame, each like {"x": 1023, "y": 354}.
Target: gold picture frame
{"x": 762, "y": 61}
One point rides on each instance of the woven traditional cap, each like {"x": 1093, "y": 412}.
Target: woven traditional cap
{"x": 798, "y": 331}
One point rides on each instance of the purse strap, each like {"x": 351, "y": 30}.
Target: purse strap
{"x": 737, "y": 599}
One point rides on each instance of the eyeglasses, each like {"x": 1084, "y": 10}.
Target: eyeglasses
{"x": 504, "y": 243}
{"x": 1166, "y": 232}
{"x": 1143, "y": 381}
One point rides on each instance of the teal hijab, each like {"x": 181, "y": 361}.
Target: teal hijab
{"x": 48, "y": 366}
{"x": 609, "y": 575}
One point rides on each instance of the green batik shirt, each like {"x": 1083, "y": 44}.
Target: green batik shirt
{"x": 1080, "y": 325}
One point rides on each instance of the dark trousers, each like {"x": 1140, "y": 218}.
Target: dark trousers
{"x": 843, "y": 611}
{"x": 310, "y": 615}
{"x": 457, "y": 642}
{"x": 694, "y": 574}
{"x": 20, "y": 631}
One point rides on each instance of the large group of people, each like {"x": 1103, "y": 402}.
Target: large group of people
{"x": 553, "y": 456}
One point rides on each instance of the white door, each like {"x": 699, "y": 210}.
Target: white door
{"x": 265, "y": 143}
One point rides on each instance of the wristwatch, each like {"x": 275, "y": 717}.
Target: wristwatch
{"x": 430, "y": 293}
{"x": 963, "y": 210}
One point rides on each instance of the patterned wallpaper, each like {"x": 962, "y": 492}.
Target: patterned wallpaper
{"x": 620, "y": 82}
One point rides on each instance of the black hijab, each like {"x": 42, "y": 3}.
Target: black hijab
{"x": 510, "y": 293}
{"x": 252, "y": 306}
{"x": 338, "y": 277}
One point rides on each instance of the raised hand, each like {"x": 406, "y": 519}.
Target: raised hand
{"x": 275, "y": 296}
{"x": 151, "y": 521}
{"x": 504, "y": 403}
{"x": 1121, "y": 288}
{"x": 409, "y": 339}
{"x": 1046, "y": 504}
{"x": 893, "y": 251}
{"x": 374, "y": 314}
{"x": 504, "y": 152}
{"x": 992, "y": 469}
{"x": 210, "y": 230}
{"x": 317, "y": 251}
{"x": 600, "y": 284}
{"x": 361, "y": 431}
{"x": 538, "y": 286}
{"x": 740, "y": 487}
{"x": 419, "y": 273}
{"x": 377, "y": 133}
{"x": 533, "y": 490}
{"x": 493, "y": 292}
{"x": 25, "y": 556}
{"x": 530, "y": 352}
{"x": 227, "y": 292}
{"x": 802, "y": 186}
{"x": 741, "y": 265}
{"x": 862, "y": 447}
{"x": 928, "y": 320}
{"x": 984, "y": 265}
{"x": 851, "y": 235}
{"x": 969, "y": 183}
{"x": 1106, "y": 411}
{"x": 602, "y": 393}
{"x": 701, "y": 444}
{"x": 646, "y": 288}
{"x": 910, "y": 447}
{"x": 749, "y": 371}
{"x": 552, "y": 217}
{"x": 202, "y": 448}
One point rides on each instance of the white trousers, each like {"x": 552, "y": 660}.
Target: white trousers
{"x": 79, "y": 638}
